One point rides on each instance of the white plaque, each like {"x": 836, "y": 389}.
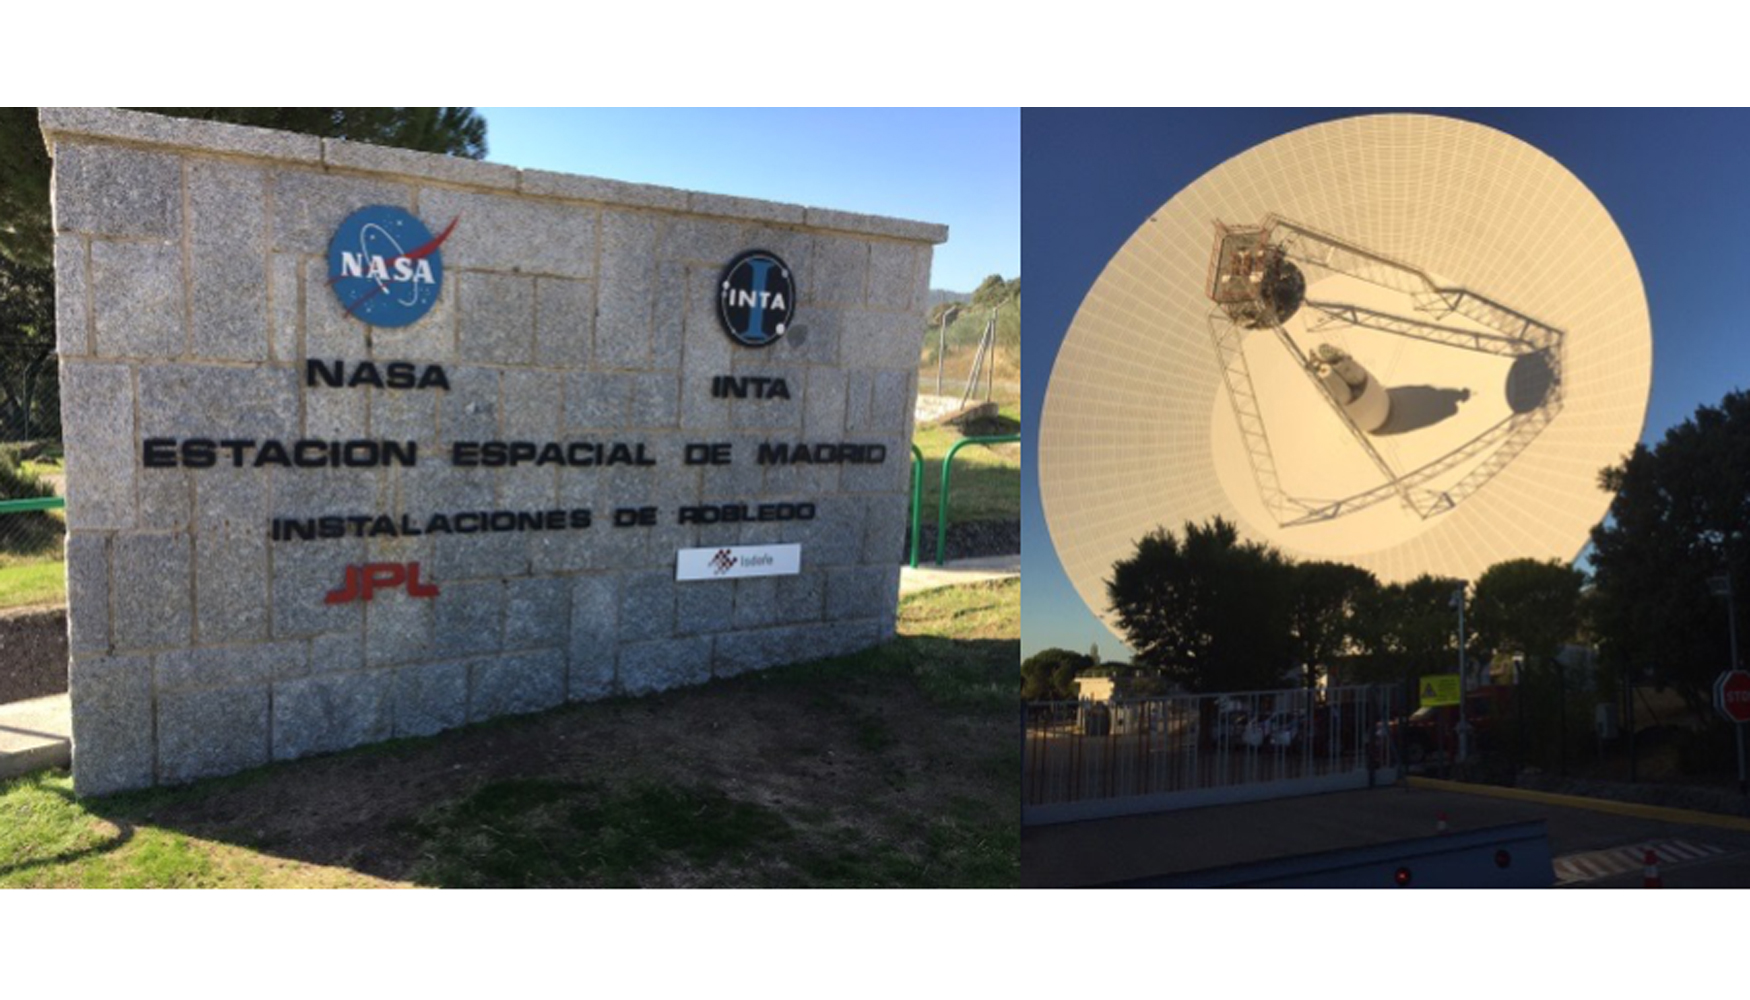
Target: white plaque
{"x": 732, "y": 561}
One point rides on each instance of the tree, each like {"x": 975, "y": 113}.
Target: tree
{"x": 1210, "y": 612}
{"x": 29, "y": 404}
{"x": 1680, "y": 518}
{"x": 1405, "y": 630}
{"x": 1528, "y": 607}
{"x": 25, "y": 235}
{"x": 1050, "y": 675}
{"x": 29, "y": 400}
{"x": 994, "y": 291}
{"x": 1323, "y": 619}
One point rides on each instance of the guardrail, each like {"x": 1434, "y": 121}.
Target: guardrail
{"x": 30, "y": 504}
{"x": 917, "y": 499}
{"x": 947, "y": 469}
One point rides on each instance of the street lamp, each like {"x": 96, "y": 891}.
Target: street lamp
{"x": 1463, "y": 680}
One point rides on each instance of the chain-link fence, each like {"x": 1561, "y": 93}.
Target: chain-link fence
{"x": 972, "y": 347}
{"x": 32, "y": 473}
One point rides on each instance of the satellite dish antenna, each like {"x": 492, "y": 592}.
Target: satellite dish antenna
{"x": 1405, "y": 342}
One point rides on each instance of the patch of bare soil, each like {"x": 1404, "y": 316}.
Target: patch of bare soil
{"x": 843, "y": 773}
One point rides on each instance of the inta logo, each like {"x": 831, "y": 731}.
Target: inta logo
{"x": 756, "y": 298}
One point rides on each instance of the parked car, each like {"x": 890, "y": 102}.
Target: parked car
{"x": 1433, "y": 729}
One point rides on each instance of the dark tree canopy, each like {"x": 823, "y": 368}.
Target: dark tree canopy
{"x": 1408, "y": 629}
{"x": 1209, "y": 611}
{"x": 1526, "y": 606}
{"x": 1050, "y": 675}
{"x": 1324, "y": 615}
{"x": 1681, "y": 516}
{"x": 25, "y": 234}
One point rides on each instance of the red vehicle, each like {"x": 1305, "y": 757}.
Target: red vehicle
{"x": 1433, "y": 729}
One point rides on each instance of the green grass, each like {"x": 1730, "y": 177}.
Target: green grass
{"x": 30, "y": 583}
{"x": 986, "y": 482}
{"x": 533, "y": 832}
{"x": 41, "y": 467}
{"x": 892, "y": 767}
{"x": 49, "y": 839}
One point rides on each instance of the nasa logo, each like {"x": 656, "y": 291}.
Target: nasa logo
{"x": 756, "y": 298}
{"x": 385, "y": 266}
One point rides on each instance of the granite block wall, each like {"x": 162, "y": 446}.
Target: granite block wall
{"x": 193, "y": 287}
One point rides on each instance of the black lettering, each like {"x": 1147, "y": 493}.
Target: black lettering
{"x": 158, "y": 453}
{"x": 402, "y": 453}
{"x": 315, "y": 370}
{"x": 332, "y": 527}
{"x": 780, "y": 390}
{"x": 434, "y": 376}
{"x": 501, "y": 520}
{"x": 360, "y": 454}
{"x": 365, "y": 373}
{"x": 310, "y": 454}
{"x": 270, "y": 453}
{"x": 236, "y": 448}
{"x": 465, "y": 454}
{"x": 467, "y": 524}
{"x": 580, "y": 518}
{"x": 400, "y": 375}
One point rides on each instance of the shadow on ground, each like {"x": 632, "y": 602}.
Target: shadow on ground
{"x": 896, "y": 766}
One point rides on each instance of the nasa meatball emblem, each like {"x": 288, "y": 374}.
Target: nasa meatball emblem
{"x": 756, "y": 298}
{"x": 385, "y": 266}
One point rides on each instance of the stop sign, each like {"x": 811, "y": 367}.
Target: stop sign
{"x": 1732, "y": 695}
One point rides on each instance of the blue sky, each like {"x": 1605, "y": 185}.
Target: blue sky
{"x": 958, "y": 167}
{"x": 1677, "y": 184}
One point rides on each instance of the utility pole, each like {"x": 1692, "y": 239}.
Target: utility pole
{"x": 1463, "y": 679}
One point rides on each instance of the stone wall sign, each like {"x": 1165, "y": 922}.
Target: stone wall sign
{"x": 364, "y": 443}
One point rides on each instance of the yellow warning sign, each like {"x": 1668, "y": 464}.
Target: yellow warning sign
{"x": 1438, "y": 689}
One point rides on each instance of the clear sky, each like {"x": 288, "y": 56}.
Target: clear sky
{"x": 1677, "y": 184}
{"x": 957, "y": 167}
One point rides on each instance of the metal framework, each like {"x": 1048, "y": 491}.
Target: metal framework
{"x": 1240, "y": 257}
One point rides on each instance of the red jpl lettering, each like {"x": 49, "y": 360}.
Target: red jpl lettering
{"x": 361, "y": 583}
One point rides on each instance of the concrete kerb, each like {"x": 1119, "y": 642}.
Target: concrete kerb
{"x": 959, "y": 572}
{"x": 1633, "y": 809}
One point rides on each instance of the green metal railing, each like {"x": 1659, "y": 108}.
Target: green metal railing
{"x": 32, "y": 504}
{"x": 942, "y": 507}
{"x": 917, "y": 499}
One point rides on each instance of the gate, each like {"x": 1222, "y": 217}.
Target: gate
{"x": 1090, "y": 760}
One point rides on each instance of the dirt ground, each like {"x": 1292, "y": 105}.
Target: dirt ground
{"x": 33, "y": 653}
{"x": 898, "y": 766}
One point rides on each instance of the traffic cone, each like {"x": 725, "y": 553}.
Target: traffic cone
{"x": 1650, "y": 875}
{"x": 1440, "y": 822}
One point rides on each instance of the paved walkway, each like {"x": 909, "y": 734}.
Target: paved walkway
{"x": 929, "y": 576}
{"x": 35, "y": 735}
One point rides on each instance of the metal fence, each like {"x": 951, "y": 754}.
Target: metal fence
{"x": 1089, "y": 759}
{"x": 32, "y": 528}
